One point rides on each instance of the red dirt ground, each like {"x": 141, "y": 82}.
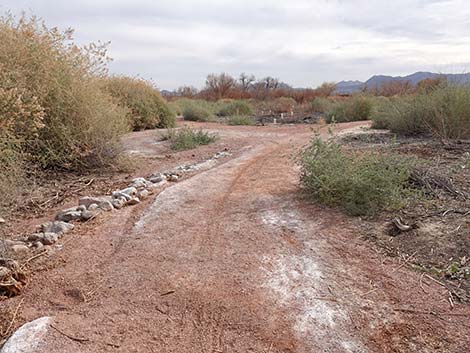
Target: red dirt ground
{"x": 232, "y": 259}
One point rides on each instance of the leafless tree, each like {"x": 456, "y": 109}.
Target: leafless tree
{"x": 218, "y": 85}
{"x": 246, "y": 81}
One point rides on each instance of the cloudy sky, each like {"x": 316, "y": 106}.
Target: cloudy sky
{"x": 303, "y": 42}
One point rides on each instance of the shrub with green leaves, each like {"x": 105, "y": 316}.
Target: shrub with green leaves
{"x": 187, "y": 138}
{"x": 359, "y": 184}
{"x": 235, "y": 108}
{"x": 356, "y": 108}
{"x": 240, "y": 120}
{"x": 196, "y": 110}
{"x": 443, "y": 112}
{"x": 147, "y": 109}
{"x": 320, "y": 105}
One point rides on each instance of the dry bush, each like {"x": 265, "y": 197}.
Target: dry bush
{"x": 443, "y": 112}
{"x": 71, "y": 122}
{"x": 147, "y": 109}
{"x": 356, "y": 108}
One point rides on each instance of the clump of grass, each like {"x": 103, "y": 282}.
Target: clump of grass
{"x": 187, "y": 138}
{"x": 356, "y": 108}
{"x": 235, "y": 108}
{"x": 240, "y": 120}
{"x": 359, "y": 184}
{"x": 147, "y": 109}
{"x": 443, "y": 112}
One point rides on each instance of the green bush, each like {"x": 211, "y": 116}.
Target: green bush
{"x": 51, "y": 103}
{"x": 196, "y": 110}
{"x": 186, "y": 138}
{"x": 356, "y": 108}
{"x": 320, "y": 105}
{"x": 240, "y": 120}
{"x": 359, "y": 184}
{"x": 443, "y": 112}
{"x": 235, "y": 108}
{"x": 147, "y": 109}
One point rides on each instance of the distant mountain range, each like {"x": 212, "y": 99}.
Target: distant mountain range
{"x": 347, "y": 87}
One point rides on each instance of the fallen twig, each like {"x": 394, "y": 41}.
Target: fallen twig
{"x": 32, "y": 258}
{"x": 406, "y": 262}
{"x": 73, "y": 338}
{"x": 7, "y": 332}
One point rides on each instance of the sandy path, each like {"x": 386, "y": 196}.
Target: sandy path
{"x": 232, "y": 260}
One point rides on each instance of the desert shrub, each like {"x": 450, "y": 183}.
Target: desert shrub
{"x": 196, "y": 110}
{"x": 320, "y": 105}
{"x": 356, "y": 108}
{"x": 51, "y": 102}
{"x": 359, "y": 184}
{"x": 147, "y": 109}
{"x": 186, "y": 138}
{"x": 175, "y": 108}
{"x": 282, "y": 105}
{"x": 443, "y": 112}
{"x": 235, "y": 108}
{"x": 240, "y": 120}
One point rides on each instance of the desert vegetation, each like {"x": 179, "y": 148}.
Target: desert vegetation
{"x": 146, "y": 108}
{"x": 187, "y": 138}
{"x": 59, "y": 109}
{"x": 360, "y": 184}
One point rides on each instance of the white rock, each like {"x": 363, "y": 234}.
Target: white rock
{"x": 87, "y": 201}
{"x": 2, "y": 220}
{"x": 119, "y": 203}
{"x": 139, "y": 183}
{"x": 131, "y": 191}
{"x": 57, "y": 227}
{"x": 172, "y": 177}
{"x": 4, "y": 272}
{"x": 143, "y": 194}
{"x": 93, "y": 207}
{"x": 68, "y": 215}
{"x": 28, "y": 337}
{"x": 20, "y": 249}
{"x": 106, "y": 206}
{"x": 133, "y": 201}
{"x": 157, "y": 178}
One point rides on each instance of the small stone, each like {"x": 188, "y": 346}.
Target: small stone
{"x": 93, "y": 207}
{"x": 172, "y": 177}
{"x": 68, "y": 215}
{"x": 49, "y": 238}
{"x": 4, "y": 272}
{"x": 157, "y": 178}
{"x": 2, "y": 220}
{"x": 28, "y": 337}
{"x": 57, "y": 227}
{"x": 133, "y": 201}
{"x": 81, "y": 208}
{"x": 87, "y": 201}
{"x": 131, "y": 191}
{"x": 20, "y": 249}
{"x": 38, "y": 245}
{"x": 35, "y": 237}
{"x": 143, "y": 194}
{"x": 106, "y": 206}
{"x": 87, "y": 215}
{"x": 119, "y": 203}
{"x": 139, "y": 183}
{"x": 119, "y": 195}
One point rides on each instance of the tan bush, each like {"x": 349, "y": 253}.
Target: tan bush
{"x": 147, "y": 108}
{"x": 52, "y": 104}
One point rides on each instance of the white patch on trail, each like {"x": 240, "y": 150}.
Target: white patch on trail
{"x": 298, "y": 282}
{"x": 28, "y": 337}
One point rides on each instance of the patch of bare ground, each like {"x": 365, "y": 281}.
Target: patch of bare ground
{"x": 438, "y": 241}
{"x": 232, "y": 259}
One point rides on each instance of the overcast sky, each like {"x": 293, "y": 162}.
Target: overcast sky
{"x": 303, "y": 42}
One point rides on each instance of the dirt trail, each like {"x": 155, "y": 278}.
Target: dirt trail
{"x": 232, "y": 260}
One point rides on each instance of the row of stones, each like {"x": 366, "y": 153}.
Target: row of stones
{"x": 90, "y": 207}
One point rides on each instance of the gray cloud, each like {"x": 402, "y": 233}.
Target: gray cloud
{"x": 304, "y": 42}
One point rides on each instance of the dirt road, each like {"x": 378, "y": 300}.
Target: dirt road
{"x": 233, "y": 260}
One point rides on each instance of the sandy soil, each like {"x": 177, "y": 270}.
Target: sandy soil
{"x": 232, "y": 259}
